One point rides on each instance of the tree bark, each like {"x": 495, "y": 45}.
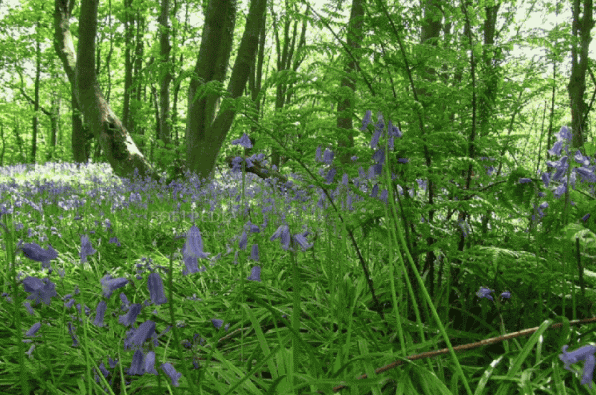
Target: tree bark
{"x": 166, "y": 76}
{"x": 81, "y": 135}
{"x": 129, "y": 35}
{"x": 582, "y": 30}
{"x": 284, "y": 61}
{"x": 116, "y": 143}
{"x": 345, "y": 107}
{"x": 205, "y": 135}
{"x": 431, "y": 29}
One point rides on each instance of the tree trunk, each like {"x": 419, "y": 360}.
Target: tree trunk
{"x": 582, "y": 30}
{"x": 164, "y": 92}
{"x": 81, "y": 135}
{"x": 35, "y": 119}
{"x": 204, "y": 135}
{"x": 431, "y": 29}
{"x": 345, "y": 107}
{"x": 129, "y": 34}
{"x": 285, "y": 61}
{"x": 116, "y": 143}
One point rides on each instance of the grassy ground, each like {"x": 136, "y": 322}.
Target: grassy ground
{"x": 304, "y": 324}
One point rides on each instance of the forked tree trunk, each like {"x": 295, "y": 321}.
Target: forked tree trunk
{"x": 204, "y": 134}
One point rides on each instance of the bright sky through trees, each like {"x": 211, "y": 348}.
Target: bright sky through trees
{"x": 537, "y": 21}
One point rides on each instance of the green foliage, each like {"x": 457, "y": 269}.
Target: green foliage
{"x": 169, "y": 160}
{"x": 521, "y": 194}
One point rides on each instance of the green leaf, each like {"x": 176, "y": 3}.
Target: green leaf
{"x": 520, "y": 193}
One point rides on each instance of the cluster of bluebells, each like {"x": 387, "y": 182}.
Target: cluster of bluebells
{"x": 484, "y": 292}
{"x": 43, "y": 290}
{"x": 245, "y": 142}
{"x": 329, "y": 171}
{"x": 558, "y": 174}
{"x": 326, "y": 157}
{"x": 374, "y": 171}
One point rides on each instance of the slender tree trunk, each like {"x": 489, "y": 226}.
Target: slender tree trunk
{"x": 431, "y": 28}
{"x": 36, "y": 100}
{"x": 81, "y": 135}
{"x": 581, "y": 30}
{"x": 345, "y": 107}
{"x": 164, "y": 92}
{"x": 129, "y": 34}
{"x": 116, "y": 143}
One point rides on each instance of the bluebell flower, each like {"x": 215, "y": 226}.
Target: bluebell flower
{"x": 586, "y": 354}
{"x": 86, "y": 248}
{"x": 330, "y": 175}
{"x": 194, "y": 244}
{"x": 33, "y": 330}
{"x": 34, "y": 252}
{"x": 300, "y": 239}
{"x": 345, "y": 179}
{"x": 129, "y": 318}
{"x": 254, "y": 252}
{"x": 217, "y": 323}
{"x": 484, "y": 293}
{"x": 172, "y": 373}
{"x": 72, "y": 331}
{"x": 110, "y": 284}
{"x": 100, "y": 311}
{"x": 193, "y": 250}
{"x": 506, "y": 295}
{"x": 243, "y": 141}
{"x": 243, "y": 241}
{"x": 155, "y": 286}
{"x": 137, "y": 367}
{"x": 255, "y": 274}
{"x": 40, "y": 290}
{"x": 140, "y": 335}
{"x": 283, "y": 232}
{"x": 328, "y": 156}
{"x": 366, "y": 120}
{"x": 150, "y": 363}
